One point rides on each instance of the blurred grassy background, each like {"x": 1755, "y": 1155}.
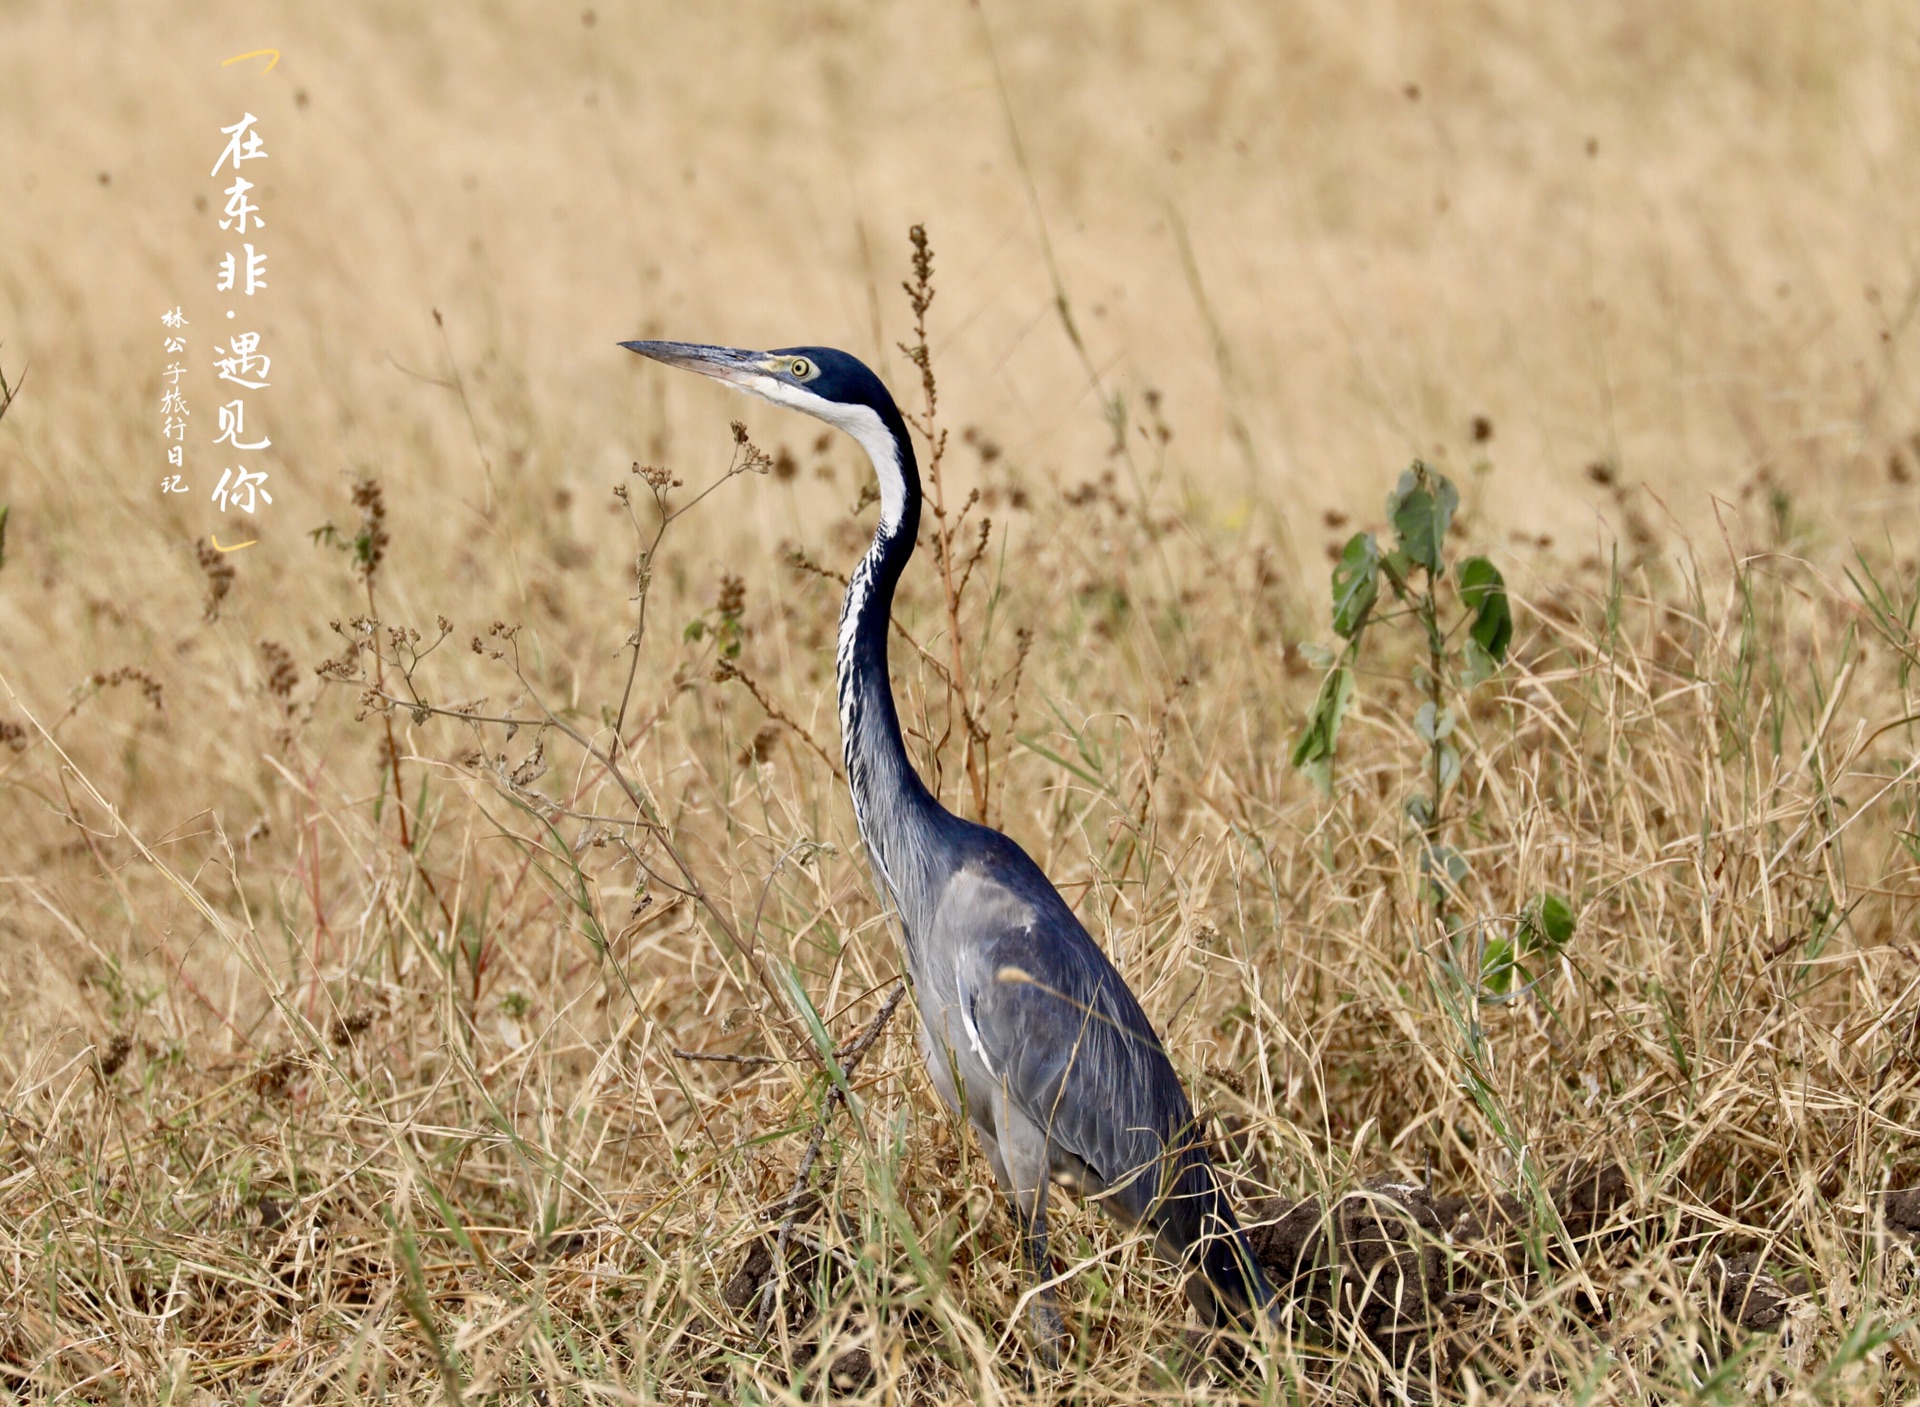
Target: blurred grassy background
{"x": 1661, "y": 236}
{"x": 1664, "y": 254}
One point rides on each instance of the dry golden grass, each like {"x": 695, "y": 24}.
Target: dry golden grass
{"x": 319, "y": 1088}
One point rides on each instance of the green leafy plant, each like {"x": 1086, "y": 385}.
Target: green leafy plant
{"x": 1469, "y": 647}
{"x": 1465, "y": 621}
{"x": 1511, "y": 965}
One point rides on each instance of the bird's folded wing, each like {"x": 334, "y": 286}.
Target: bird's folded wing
{"x": 1076, "y": 1055}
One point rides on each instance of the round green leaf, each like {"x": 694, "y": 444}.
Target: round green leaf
{"x": 1422, "y": 507}
{"x": 1484, "y": 592}
{"x": 1355, "y": 584}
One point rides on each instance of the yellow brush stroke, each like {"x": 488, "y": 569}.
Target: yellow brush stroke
{"x": 235, "y": 548}
{"x": 253, "y": 54}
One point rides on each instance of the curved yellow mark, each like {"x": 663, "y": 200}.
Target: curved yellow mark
{"x": 254, "y": 54}
{"x": 235, "y": 548}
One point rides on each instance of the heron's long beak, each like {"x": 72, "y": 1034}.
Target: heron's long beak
{"x": 728, "y": 364}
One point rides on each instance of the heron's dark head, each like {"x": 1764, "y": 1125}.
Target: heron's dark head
{"x": 827, "y": 384}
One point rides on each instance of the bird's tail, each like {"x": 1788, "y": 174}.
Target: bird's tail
{"x": 1197, "y": 1227}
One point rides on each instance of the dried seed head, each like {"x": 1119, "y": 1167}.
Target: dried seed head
{"x": 130, "y": 674}
{"x": 920, "y": 291}
{"x": 733, "y": 595}
{"x": 220, "y": 573}
{"x": 271, "y": 1080}
{"x": 370, "y": 546}
{"x": 281, "y": 675}
{"x": 115, "y": 1053}
{"x": 347, "y": 1027}
{"x": 981, "y": 444}
{"x": 346, "y": 669}
{"x": 750, "y": 459}
{"x": 761, "y": 748}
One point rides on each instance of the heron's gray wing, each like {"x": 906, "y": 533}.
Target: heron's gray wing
{"x": 1072, "y": 1054}
{"x": 1068, "y": 1044}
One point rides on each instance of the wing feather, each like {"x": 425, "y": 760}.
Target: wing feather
{"x": 1068, "y": 1042}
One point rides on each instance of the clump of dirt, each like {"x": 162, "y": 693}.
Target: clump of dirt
{"x": 852, "y": 1371}
{"x": 1588, "y": 1196}
{"x": 1488, "y": 1235}
{"x": 1742, "y": 1293}
{"x": 848, "y": 1372}
{"x": 1374, "y": 1265}
{"x": 745, "y": 1282}
{"x": 1409, "y": 1272}
{"x": 1901, "y": 1209}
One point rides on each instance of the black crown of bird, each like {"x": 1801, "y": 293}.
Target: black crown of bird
{"x": 1031, "y": 1031}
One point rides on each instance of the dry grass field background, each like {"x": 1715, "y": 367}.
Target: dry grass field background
{"x": 339, "y": 1056}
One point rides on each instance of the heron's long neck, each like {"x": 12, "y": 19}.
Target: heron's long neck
{"x": 890, "y": 802}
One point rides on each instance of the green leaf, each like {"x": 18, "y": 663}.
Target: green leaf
{"x": 1449, "y": 766}
{"x": 1313, "y": 754}
{"x": 1422, "y": 507}
{"x": 1484, "y": 592}
{"x": 696, "y": 629}
{"x": 1035, "y": 746}
{"x": 1356, "y": 584}
{"x": 1437, "y": 860}
{"x": 1432, "y": 726}
{"x": 816, "y": 1027}
{"x": 1497, "y": 966}
{"x": 1547, "y": 924}
{"x": 1479, "y": 665}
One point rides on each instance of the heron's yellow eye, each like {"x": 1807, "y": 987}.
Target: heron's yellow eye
{"x": 801, "y": 368}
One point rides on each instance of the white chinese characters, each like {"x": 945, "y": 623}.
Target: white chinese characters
{"x": 249, "y": 275}
{"x": 241, "y": 363}
{"x": 233, "y": 424}
{"x": 239, "y": 486}
{"x": 173, "y": 401}
{"x": 239, "y": 208}
{"x": 245, "y": 360}
{"x": 243, "y": 144}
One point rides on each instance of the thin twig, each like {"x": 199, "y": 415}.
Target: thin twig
{"x": 718, "y": 1057}
{"x": 727, "y": 669}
